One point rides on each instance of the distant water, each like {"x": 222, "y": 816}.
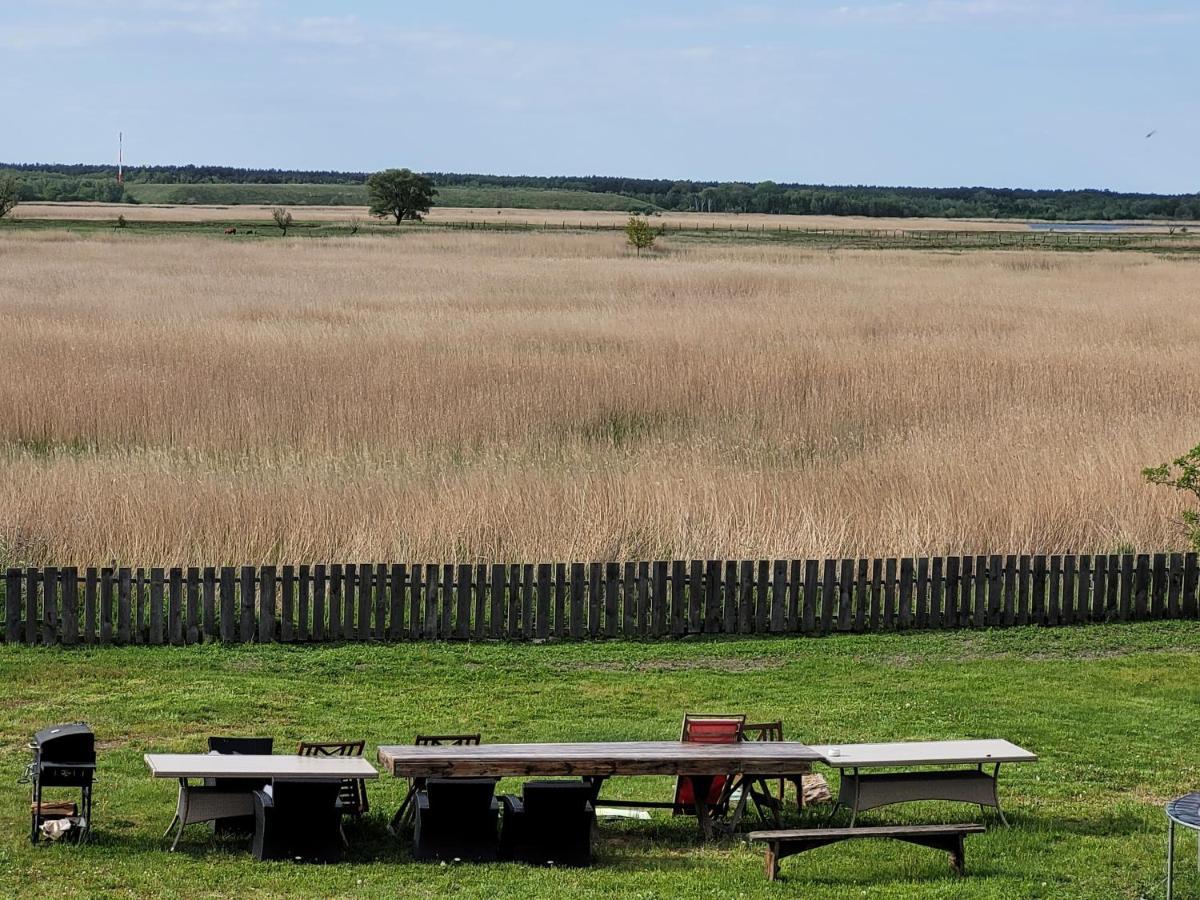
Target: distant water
{"x": 1091, "y": 226}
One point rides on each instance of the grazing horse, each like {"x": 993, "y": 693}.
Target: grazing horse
{"x": 231, "y": 231}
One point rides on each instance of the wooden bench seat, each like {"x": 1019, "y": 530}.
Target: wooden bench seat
{"x": 788, "y": 842}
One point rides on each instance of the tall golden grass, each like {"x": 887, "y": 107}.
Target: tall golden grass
{"x": 452, "y": 396}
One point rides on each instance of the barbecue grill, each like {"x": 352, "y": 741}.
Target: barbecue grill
{"x": 64, "y": 756}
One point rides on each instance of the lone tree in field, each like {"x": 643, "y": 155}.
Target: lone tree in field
{"x": 1182, "y": 474}
{"x": 283, "y": 219}
{"x": 401, "y": 193}
{"x": 640, "y": 234}
{"x": 9, "y": 194}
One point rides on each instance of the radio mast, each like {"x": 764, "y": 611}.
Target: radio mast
{"x": 120, "y": 157}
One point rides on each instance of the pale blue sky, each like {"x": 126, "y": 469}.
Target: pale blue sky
{"x": 1029, "y": 93}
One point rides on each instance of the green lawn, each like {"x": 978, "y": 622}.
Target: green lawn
{"x": 1112, "y": 710}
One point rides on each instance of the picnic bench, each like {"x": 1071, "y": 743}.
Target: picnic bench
{"x": 597, "y": 761}
{"x": 861, "y": 791}
{"x": 785, "y": 843}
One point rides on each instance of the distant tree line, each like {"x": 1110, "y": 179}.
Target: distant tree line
{"x": 89, "y": 182}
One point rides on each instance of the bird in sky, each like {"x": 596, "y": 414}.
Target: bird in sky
{"x": 1152, "y": 134}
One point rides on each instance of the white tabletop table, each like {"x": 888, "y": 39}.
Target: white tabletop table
{"x": 861, "y": 791}
{"x": 230, "y": 765}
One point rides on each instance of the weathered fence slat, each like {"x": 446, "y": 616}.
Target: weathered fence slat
{"x": 70, "y": 606}
{"x": 845, "y": 612}
{"x": 1175, "y": 585}
{"x": 889, "y": 593}
{"x": 1083, "y": 585}
{"x": 192, "y": 625}
{"x": 995, "y": 595}
{"x": 399, "y": 578}
{"x": 462, "y": 614}
{"x": 528, "y": 587}
{"x": 124, "y": 600}
{"x": 1141, "y": 587}
{"x": 379, "y": 630}
{"x": 349, "y": 599}
{"x": 433, "y": 576}
{"x": 416, "y": 595}
{"x": 779, "y": 590}
{"x": 496, "y": 617}
{"x": 91, "y": 584}
{"x": 107, "y": 602}
{"x": 1158, "y": 595}
{"x": 732, "y": 595}
{"x": 678, "y": 597}
{"x": 287, "y": 605}
{"x": 266, "y": 605}
{"x": 1191, "y": 583}
{"x": 304, "y": 603}
{"x": 578, "y": 598}
{"x": 50, "y": 605}
{"x": 320, "y": 586}
{"x": 1125, "y": 601}
{"x": 712, "y": 596}
{"x": 644, "y": 612}
{"x": 812, "y": 581}
{"x": 1053, "y": 611}
{"x": 695, "y": 596}
{"x": 1099, "y": 587}
{"x": 246, "y": 595}
{"x": 742, "y": 587}
{"x": 921, "y": 619}
{"x": 950, "y": 597}
{"x": 1067, "y": 609}
{"x": 936, "y": 588}
{"x": 762, "y": 608}
{"x": 978, "y": 616}
{"x": 1024, "y": 564}
{"x": 629, "y": 600}
{"x": 333, "y": 628}
{"x": 140, "y": 610}
{"x": 175, "y": 606}
{"x": 561, "y": 599}
{"x": 481, "y": 602}
{"x": 829, "y": 588}
{"x": 12, "y": 606}
{"x": 545, "y": 575}
{"x": 1009, "y": 614}
{"x": 906, "y": 591}
{"x": 228, "y": 634}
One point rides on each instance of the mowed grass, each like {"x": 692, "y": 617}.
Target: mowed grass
{"x": 1110, "y": 710}
{"x": 356, "y": 195}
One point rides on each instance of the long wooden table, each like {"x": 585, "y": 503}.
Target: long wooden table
{"x": 597, "y": 761}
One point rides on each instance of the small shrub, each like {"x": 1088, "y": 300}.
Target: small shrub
{"x": 283, "y": 219}
{"x": 1183, "y": 474}
{"x": 640, "y": 234}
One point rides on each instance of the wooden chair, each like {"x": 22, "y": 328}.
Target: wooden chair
{"x": 353, "y": 793}
{"x": 707, "y": 729}
{"x": 404, "y": 815}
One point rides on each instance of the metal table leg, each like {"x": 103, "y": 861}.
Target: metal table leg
{"x": 1170, "y": 858}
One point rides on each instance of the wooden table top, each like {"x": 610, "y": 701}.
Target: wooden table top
{"x": 599, "y": 759}
{"x": 922, "y": 753}
{"x": 232, "y": 765}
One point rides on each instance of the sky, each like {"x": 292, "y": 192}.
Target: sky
{"x": 1005, "y": 93}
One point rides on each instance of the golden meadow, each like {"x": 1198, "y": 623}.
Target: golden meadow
{"x": 530, "y": 397}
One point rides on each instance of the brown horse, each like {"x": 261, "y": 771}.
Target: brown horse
{"x": 231, "y": 231}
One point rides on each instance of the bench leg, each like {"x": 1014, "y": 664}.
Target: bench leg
{"x": 957, "y": 856}
{"x": 772, "y": 863}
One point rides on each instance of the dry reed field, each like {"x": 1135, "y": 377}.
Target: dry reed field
{"x": 520, "y": 397}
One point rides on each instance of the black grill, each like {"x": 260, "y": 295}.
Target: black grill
{"x": 64, "y": 756}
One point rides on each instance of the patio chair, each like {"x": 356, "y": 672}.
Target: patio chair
{"x": 707, "y": 729}
{"x": 404, "y": 815}
{"x": 352, "y": 796}
{"x": 298, "y": 820}
{"x": 456, "y": 820}
{"x": 549, "y": 824}
{"x": 226, "y": 802}
{"x": 248, "y": 746}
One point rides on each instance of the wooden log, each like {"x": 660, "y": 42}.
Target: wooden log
{"x": 745, "y": 598}
{"x": 333, "y": 629}
{"x": 228, "y": 620}
{"x": 499, "y": 582}
{"x": 175, "y": 610}
{"x": 70, "y": 606}
{"x": 1141, "y": 587}
{"x": 1008, "y": 614}
{"x": 612, "y": 581}
{"x": 845, "y": 612}
{"x": 249, "y": 581}
{"x": 696, "y": 597}
{"x": 1125, "y": 600}
{"x": 12, "y": 606}
{"x": 91, "y": 584}
{"x": 287, "y": 604}
{"x": 193, "y": 619}
{"x": 578, "y": 600}
{"x": 463, "y": 591}
{"x": 779, "y": 590}
{"x": 1191, "y": 583}
{"x": 595, "y": 599}
{"x": 481, "y": 601}
{"x": 732, "y": 594}
{"x": 320, "y": 587}
{"x": 50, "y": 605}
{"x": 124, "y": 602}
{"x": 629, "y": 601}
{"x": 712, "y": 596}
{"x": 812, "y": 586}
{"x": 829, "y": 587}
{"x": 1053, "y": 607}
{"x": 1083, "y": 587}
{"x": 906, "y": 593}
{"x": 108, "y": 595}
{"x": 398, "y": 581}
{"x": 1158, "y": 592}
{"x": 1175, "y": 585}
{"x": 921, "y": 619}
{"x": 266, "y": 605}
{"x": 561, "y": 593}
{"x": 433, "y": 577}
{"x": 950, "y": 595}
{"x": 545, "y": 576}
{"x": 679, "y": 613}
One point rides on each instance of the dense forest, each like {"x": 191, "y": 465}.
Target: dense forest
{"x": 90, "y": 182}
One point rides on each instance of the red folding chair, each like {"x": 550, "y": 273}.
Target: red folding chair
{"x": 707, "y": 729}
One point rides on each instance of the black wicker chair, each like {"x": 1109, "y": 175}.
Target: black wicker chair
{"x": 550, "y": 824}
{"x": 246, "y": 746}
{"x": 298, "y": 820}
{"x": 456, "y": 820}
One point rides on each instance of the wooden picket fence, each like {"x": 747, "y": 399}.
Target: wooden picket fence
{"x": 642, "y": 600}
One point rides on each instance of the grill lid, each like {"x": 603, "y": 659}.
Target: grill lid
{"x": 73, "y": 743}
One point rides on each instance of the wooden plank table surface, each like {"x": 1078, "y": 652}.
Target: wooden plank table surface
{"x": 597, "y": 759}
{"x": 231, "y": 765}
